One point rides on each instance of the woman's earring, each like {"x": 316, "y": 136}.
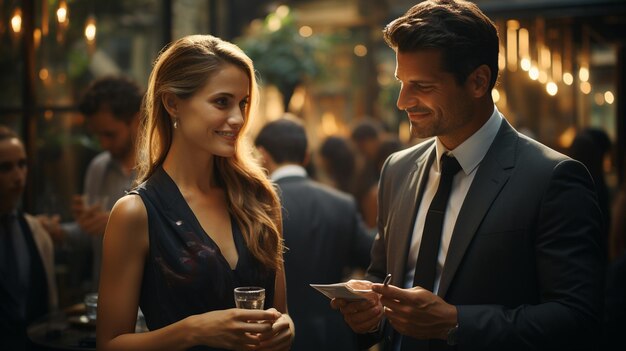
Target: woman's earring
{"x": 175, "y": 122}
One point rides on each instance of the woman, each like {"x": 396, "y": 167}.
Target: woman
{"x": 203, "y": 220}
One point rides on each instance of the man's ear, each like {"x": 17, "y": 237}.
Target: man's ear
{"x": 478, "y": 81}
{"x": 170, "y": 102}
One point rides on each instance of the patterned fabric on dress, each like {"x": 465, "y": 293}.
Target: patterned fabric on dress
{"x": 185, "y": 272}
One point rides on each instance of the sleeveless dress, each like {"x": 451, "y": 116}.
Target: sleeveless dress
{"x": 185, "y": 272}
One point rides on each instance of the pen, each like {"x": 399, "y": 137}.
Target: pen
{"x": 387, "y": 279}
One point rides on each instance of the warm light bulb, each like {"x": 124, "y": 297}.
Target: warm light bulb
{"x": 583, "y": 74}
{"x": 16, "y": 20}
{"x": 525, "y": 64}
{"x": 495, "y": 95}
{"x": 43, "y": 74}
{"x": 305, "y": 31}
{"x": 608, "y": 97}
{"x": 585, "y": 87}
{"x": 599, "y": 99}
{"x": 90, "y": 28}
{"x": 533, "y": 73}
{"x": 360, "y": 50}
{"x": 282, "y": 11}
{"x": 568, "y": 78}
{"x": 274, "y": 23}
{"x": 552, "y": 88}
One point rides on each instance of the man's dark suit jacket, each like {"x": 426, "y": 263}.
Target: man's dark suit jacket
{"x": 523, "y": 266}
{"x": 325, "y": 238}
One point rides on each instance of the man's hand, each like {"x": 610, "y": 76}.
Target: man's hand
{"x": 91, "y": 219}
{"x": 417, "y": 312}
{"x": 362, "y": 316}
{"x": 52, "y": 224}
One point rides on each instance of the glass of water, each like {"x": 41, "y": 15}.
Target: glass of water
{"x": 250, "y": 297}
{"x": 91, "y": 306}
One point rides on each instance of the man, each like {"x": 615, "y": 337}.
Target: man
{"x": 111, "y": 106}
{"x": 27, "y": 283}
{"x": 323, "y": 233}
{"x": 507, "y": 259}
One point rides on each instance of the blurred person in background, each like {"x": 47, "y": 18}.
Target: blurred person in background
{"x": 369, "y": 199}
{"x": 615, "y": 298}
{"x": 338, "y": 163}
{"x": 27, "y": 281}
{"x": 367, "y": 136}
{"x": 111, "y": 106}
{"x": 617, "y": 233}
{"x": 203, "y": 220}
{"x": 491, "y": 237}
{"x": 324, "y": 236}
{"x": 591, "y": 146}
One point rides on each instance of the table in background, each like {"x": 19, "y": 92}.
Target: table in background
{"x": 69, "y": 329}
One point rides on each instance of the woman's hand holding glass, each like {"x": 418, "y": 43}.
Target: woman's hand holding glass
{"x": 234, "y": 329}
{"x": 280, "y": 337}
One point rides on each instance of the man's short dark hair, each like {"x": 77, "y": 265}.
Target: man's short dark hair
{"x": 459, "y": 29}
{"x": 284, "y": 139}
{"x": 119, "y": 94}
{"x": 365, "y": 130}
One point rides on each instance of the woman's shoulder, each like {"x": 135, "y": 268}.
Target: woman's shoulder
{"x": 130, "y": 212}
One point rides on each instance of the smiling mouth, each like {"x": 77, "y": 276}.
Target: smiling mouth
{"x": 227, "y": 134}
{"x": 417, "y": 115}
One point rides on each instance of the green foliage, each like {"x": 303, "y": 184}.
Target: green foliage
{"x": 282, "y": 56}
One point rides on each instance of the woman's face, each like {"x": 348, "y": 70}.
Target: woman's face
{"x": 210, "y": 120}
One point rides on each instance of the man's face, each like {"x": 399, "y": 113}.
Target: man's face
{"x": 435, "y": 103}
{"x": 114, "y": 135}
{"x": 13, "y": 172}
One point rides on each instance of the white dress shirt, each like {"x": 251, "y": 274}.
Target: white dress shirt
{"x": 469, "y": 154}
{"x": 289, "y": 170}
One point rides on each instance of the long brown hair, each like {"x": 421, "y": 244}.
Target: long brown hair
{"x": 183, "y": 68}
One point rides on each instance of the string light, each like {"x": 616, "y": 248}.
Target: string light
{"x": 533, "y": 73}
{"x": 282, "y": 11}
{"x": 305, "y": 31}
{"x": 62, "y": 12}
{"x": 511, "y": 44}
{"x": 360, "y": 50}
{"x": 583, "y": 74}
{"x": 90, "y": 29}
{"x": 16, "y": 20}
{"x": 568, "y": 78}
{"x": 585, "y": 88}
{"x": 552, "y": 88}
{"x": 495, "y": 95}
{"x": 524, "y": 49}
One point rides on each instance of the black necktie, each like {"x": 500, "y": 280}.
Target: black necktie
{"x": 426, "y": 265}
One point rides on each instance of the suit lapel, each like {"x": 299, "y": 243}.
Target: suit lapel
{"x": 491, "y": 176}
{"x": 405, "y": 210}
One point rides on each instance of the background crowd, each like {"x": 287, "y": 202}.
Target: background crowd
{"x": 323, "y": 200}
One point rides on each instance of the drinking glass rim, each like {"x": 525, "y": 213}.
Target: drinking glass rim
{"x": 249, "y": 289}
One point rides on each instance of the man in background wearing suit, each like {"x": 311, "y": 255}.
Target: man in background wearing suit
{"x": 491, "y": 237}
{"x": 27, "y": 283}
{"x": 323, "y": 232}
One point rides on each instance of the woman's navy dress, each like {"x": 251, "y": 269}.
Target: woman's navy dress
{"x": 185, "y": 273}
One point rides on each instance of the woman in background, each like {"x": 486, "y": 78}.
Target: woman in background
{"x": 203, "y": 219}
